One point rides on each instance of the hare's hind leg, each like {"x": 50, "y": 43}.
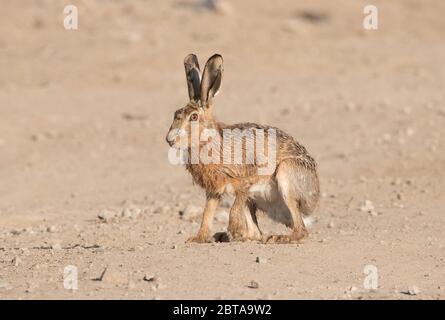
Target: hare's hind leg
{"x": 291, "y": 179}
{"x": 253, "y": 230}
{"x": 243, "y": 223}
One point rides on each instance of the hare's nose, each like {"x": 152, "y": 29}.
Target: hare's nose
{"x": 171, "y": 136}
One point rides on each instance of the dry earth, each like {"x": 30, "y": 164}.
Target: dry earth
{"x": 84, "y": 115}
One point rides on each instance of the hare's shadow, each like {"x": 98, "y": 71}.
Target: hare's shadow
{"x": 222, "y": 237}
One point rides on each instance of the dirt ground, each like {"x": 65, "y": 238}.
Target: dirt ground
{"x": 83, "y": 119}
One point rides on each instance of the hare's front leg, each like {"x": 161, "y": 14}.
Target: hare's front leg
{"x": 237, "y": 218}
{"x": 203, "y": 235}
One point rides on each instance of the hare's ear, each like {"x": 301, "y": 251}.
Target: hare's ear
{"x": 193, "y": 76}
{"x": 211, "y": 79}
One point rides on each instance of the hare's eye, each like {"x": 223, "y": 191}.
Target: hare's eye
{"x": 194, "y": 117}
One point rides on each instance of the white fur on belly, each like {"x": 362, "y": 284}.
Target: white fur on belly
{"x": 268, "y": 199}
{"x": 265, "y": 191}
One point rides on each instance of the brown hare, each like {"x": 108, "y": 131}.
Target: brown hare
{"x": 287, "y": 192}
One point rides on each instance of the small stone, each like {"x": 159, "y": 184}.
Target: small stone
{"x": 253, "y": 285}
{"x": 396, "y": 182}
{"x": 106, "y": 215}
{"x": 413, "y": 290}
{"x": 149, "y": 278}
{"x": 351, "y": 289}
{"x": 51, "y": 229}
{"x": 16, "y": 261}
{"x": 218, "y": 6}
{"x": 16, "y": 232}
{"x": 131, "y": 212}
{"x": 373, "y": 213}
{"x": 56, "y": 246}
{"x": 331, "y": 225}
{"x": 367, "y": 206}
{"x": 260, "y": 260}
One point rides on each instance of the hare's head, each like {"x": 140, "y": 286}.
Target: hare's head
{"x": 197, "y": 114}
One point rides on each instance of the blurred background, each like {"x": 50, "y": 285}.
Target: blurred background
{"x": 84, "y": 112}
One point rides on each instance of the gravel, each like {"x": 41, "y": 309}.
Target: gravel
{"x": 413, "y": 290}
{"x": 149, "y": 278}
{"x": 106, "y": 215}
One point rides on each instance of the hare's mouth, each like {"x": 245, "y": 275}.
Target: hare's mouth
{"x": 177, "y": 143}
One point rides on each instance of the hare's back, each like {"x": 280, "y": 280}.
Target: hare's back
{"x": 286, "y": 146}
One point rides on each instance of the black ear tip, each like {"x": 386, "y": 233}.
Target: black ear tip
{"x": 216, "y": 56}
{"x": 191, "y": 58}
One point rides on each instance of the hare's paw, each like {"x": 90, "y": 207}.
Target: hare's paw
{"x": 199, "y": 239}
{"x": 286, "y": 239}
{"x": 237, "y": 230}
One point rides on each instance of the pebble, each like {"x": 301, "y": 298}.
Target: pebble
{"x": 131, "y": 212}
{"x": 367, "y": 206}
{"x": 253, "y": 285}
{"x": 106, "y": 215}
{"x": 51, "y": 229}
{"x": 16, "y": 232}
{"x": 331, "y": 225}
{"x": 56, "y": 246}
{"x": 413, "y": 290}
{"x": 351, "y": 289}
{"x": 218, "y": 6}
{"x": 149, "y": 278}
{"x": 16, "y": 261}
{"x": 260, "y": 260}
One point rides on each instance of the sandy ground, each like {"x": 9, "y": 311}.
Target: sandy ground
{"x": 84, "y": 115}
